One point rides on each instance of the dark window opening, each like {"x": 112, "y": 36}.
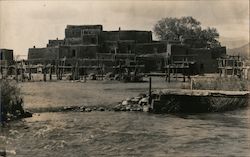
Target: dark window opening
{"x": 202, "y": 68}
{"x": 112, "y": 51}
{"x": 93, "y": 40}
{"x": 73, "y": 53}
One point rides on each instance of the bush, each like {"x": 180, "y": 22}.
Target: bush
{"x": 11, "y": 101}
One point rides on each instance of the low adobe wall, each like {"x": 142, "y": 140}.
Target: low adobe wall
{"x": 43, "y": 53}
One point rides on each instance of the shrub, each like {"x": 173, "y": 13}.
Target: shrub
{"x": 11, "y": 101}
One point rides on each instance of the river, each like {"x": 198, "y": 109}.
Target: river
{"x": 74, "y": 134}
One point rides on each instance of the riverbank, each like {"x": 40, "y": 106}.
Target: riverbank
{"x": 42, "y": 96}
{"x": 96, "y": 94}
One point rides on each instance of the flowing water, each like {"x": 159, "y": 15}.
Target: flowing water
{"x": 78, "y": 134}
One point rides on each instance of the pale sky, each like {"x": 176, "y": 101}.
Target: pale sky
{"x": 27, "y": 23}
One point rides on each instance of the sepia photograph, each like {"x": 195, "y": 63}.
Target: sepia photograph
{"x": 124, "y": 78}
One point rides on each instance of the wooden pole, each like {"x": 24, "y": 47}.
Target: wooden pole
{"x": 6, "y": 69}
{"x": 77, "y": 70}
{"x": 60, "y": 73}
{"x": 191, "y": 84}
{"x": 21, "y": 71}
{"x": 176, "y": 73}
{"x": 57, "y": 71}
{"x": 149, "y": 91}
{"x": 29, "y": 71}
{"x": 102, "y": 70}
{"x": 233, "y": 68}
{"x": 44, "y": 73}
{"x": 85, "y": 73}
{"x": 166, "y": 74}
{"x": 16, "y": 71}
{"x": 225, "y": 68}
{"x": 72, "y": 73}
{"x": 225, "y": 72}
{"x": 50, "y": 73}
{"x": 183, "y": 72}
{"x": 169, "y": 74}
{"x": 220, "y": 67}
{"x": 1, "y": 71}
{"x": 120, "y": 71}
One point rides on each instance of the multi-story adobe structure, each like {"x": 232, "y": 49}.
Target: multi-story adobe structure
{"x": 88, "y": 41}
{"x": 94, "y": 45}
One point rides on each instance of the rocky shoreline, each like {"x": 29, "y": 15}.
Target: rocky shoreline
{"x": 135, "y": 104}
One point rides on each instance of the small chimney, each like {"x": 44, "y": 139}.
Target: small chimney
{"x": 119, "y": 34}
{"x": 34, "y": 46}
{"x": 57, "y": 38}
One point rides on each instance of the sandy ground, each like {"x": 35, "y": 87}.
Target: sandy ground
{"x": 68, "y": 93}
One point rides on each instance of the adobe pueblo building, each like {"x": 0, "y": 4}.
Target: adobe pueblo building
{"x": 92, "y": 47}
{"x": 6, "y": 56}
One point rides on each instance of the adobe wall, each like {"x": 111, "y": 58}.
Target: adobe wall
{"x": 90, "y": 39}
{"x": 43, "y": 53}
{"x": 6, "y": 54}
{"x": 88, "y": 51}
{"x": 204, "y": 61}
{"x": 177, "y": 49}
{"x": 218, "y": 52}
{"x": 53, "y": 43}
{"x": 147, "y": 48}
{"x": 73, "y": 41}
{"x": 105, "y": 56}
{"x": 84, "y": 40}
{"x": 73, "y": 31}
{"x": 123, "y": 46}
{"x": 127, "y": 46}
{"x": 137, "y": 36}
{"x": 50, "y": 53}
{"x": 36, "y": 53}
{"x": 109, "y": 47}
{"x": 152, "y": 63}
{"x": 80, "y": 51}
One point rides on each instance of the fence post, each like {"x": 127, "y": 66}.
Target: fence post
{"x": 44, "y": 73}
{"x": 50, "y": 73}
{"x": 149, "y": 91}
{"x": 29, "y": 71}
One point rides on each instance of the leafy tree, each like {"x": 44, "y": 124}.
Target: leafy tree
{"x": 210, "y": 35}
{"x": 173, "y": 28}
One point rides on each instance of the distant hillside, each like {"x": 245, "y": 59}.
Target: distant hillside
{"x": 242, "y": 51}
{"x": 232, "y": 43}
